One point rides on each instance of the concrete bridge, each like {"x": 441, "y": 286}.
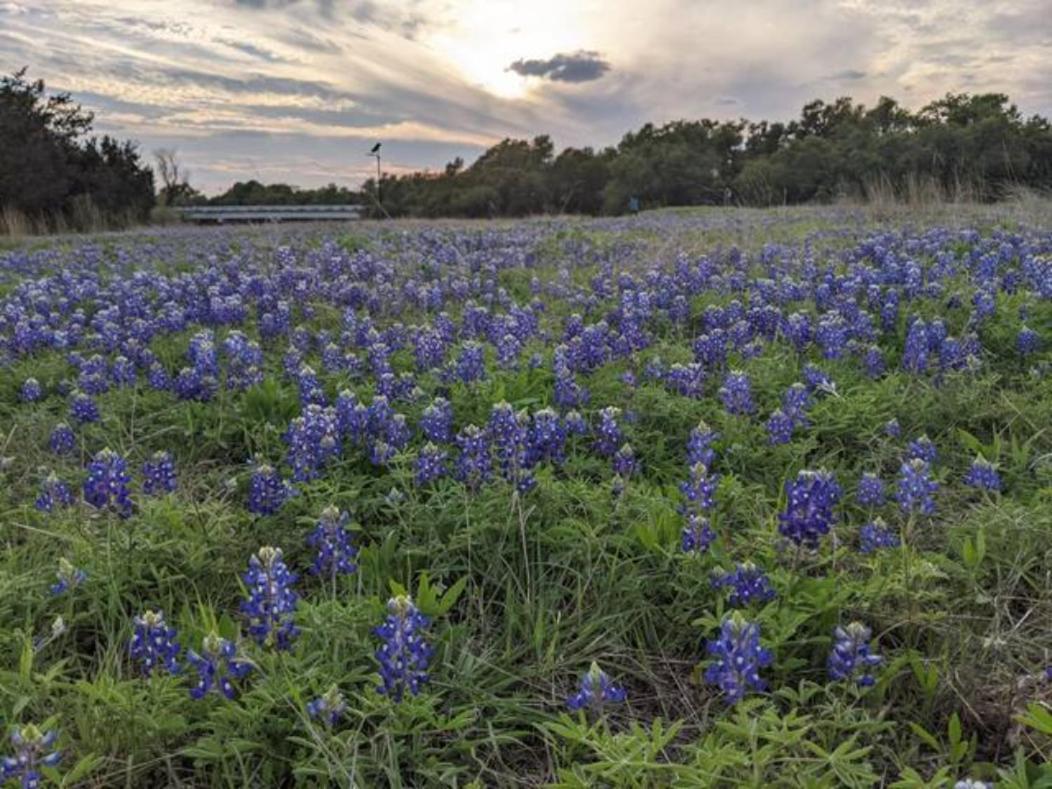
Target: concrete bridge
{"x": 225, "y": 214}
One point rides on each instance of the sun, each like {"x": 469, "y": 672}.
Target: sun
{"x": 489, "y": 35}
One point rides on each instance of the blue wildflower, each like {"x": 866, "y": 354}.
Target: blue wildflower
{"x": 217, "y": 665}
{"x": 870, "y": 491}
{"x": 82, "y": 409}
{"x": 851, "y": 657}
{"x": 474, "y": 463}
{"x": 608, "y": 435}
{"x": 267, "y": 491}
{"x": 876, "y": 535}
{"x": 738, "y": 658}
{"x": 158, "y": 474}
{"x": 62, "y": 439}
{"x": 595, "y": 691}
{"x": 747, "y": 583}
{"x": 31, "y": 390}
{"x": 916, "y": 487}
{"x": 697, "y": 535}
{"x": 1027, "y": 342}
{"x": 68, "y": 577}
{"x": 153, "y": 644}
{"x": 271, "y": 602}
{"x": 809, "y": 507}
{"x": 53, "y": 491}
{"x": 983, "y": 475}
{"x": 107, "y": 484}
{"x": 404, "y": 653}
{"x": 329, "y": 707}
{"x": 332, "y": 540}
{"x": 437, "y": 421}
{"x": 736, "y": 393}
{"x": 699, "y": 445}
{"x": 430, "y": 464}
{"x": 923, "y": 449}
{"x": 32, "y": 751}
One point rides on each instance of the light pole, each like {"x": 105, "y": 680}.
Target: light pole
{"x": 375, "y": 151}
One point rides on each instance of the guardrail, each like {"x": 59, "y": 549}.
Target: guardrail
{"x": 222, "y": 214}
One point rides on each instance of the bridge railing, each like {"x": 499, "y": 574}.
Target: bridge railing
{"x": 269, "y": 213}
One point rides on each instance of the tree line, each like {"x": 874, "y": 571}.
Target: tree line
{"x": 960, "y": 147}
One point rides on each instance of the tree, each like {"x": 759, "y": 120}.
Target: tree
{"x": 175, "y": 180}
{"x": 49, "y": 166}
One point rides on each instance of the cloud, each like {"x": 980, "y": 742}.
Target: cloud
{"x": 581, "y": 66}
{"x": 848, "y": 75}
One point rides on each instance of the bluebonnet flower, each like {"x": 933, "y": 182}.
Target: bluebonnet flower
{"x": 153, "y": 644}
{"x": 876, "y": 535}
{"x": 738, "y": 658}
{"x": 217, "y": 666}
{"x": 313, "y": 441}
{"x": 816, "y": 379}
{"x": 53, "y": 491}
{"x": 575, "y": 424}
{"x": 747, "y": 583}
{"x": 851, "y": 657}
{"x": 333, "y": 542}
{"x": 271, "y": 602}
{"x": 809, "y": 508}
{"x": 595, "y": 691}
{"x": 437, "y": 421}
{"x": 404, "y": 653}
{"x": 983, "y": 475}
{"x": 832, "y": 335}
{"x": 1027, "y": 342}
{"x": 870, "y": 491}
{"x": 797, "y": 329}
{"x": 474, "y": 463}
{"x": 31, "y": 390}
{"x": 509, "y": 434}
{"x": 471, "y": 362}
{"x": 608, "y": 435}
{"x": 698, "y": 490}
{"x": 32, "y": 751}
{"x": 736, "y": 393}
{"x": 430, "y": 464}
{"x": 697, "y": 535}
{"x": 158, "y": 474}
{"x": 107, "y": 484}
{"x": 922, "y": 449}
{"x": 68, "y": 577}
{"x": 892, "y": 429}
{"x": 82, "y": 409}
{"x": 157, "y": 377}
{"x": 915, "y": 354}
{"x": 972, "y": 783}
{"x": 699, "y": 445}
{"x": 267, "y": 491}
{"x": 546, "y": 438}
{"x": 873, "y": 362}
{"x": 916, "y": 487}
{"x": 309, "y": 387}
{"x": 795, "y": 402}
{"x": 62, "y": 439}
{"x": 624, "y": 462}
{"x": 329, "y": 707}
{"x": 780, "y": 428}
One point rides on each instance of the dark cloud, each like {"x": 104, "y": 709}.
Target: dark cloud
{"x": 582, "y": 66}
{"x": 848, "y": 75}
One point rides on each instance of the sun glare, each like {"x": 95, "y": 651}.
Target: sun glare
{"x": 488, "y": 36}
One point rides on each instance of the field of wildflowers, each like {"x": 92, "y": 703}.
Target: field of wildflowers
{"x": 688, "y": 499}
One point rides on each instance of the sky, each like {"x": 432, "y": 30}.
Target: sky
{"x": 298, "y": 90}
